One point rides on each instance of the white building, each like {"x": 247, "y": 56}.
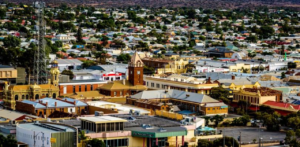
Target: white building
{"x": 46, "y": 135}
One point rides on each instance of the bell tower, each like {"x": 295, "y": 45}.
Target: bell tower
{"x": 54, "y": 73}
{"x": 135, "y": 69}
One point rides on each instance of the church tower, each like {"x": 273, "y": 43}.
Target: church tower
{"x": 54, "y": 73}
{"x": 135, "y": 69}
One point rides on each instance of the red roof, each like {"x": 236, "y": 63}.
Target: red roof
{"x": 282, "y": 105}
{"x": 55, "y": 20}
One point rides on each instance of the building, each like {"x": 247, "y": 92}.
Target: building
{"x": 193, "y": 102}
{"x": 283, "y": 108}
{"x": 8, "y": 73}
{"x": 257, "y": 96}
{"x": 166, "y": 65}
{"x": 75, "y": 86}
{"x": 134, "y": 84}
{"x": 240, "y": 67}
{"x": 68, "y": 64}
{"x": 46, "y": 134}
{"x": 179, "y": 82}
{"x": 142, "y": 130}
{"x": 14, "y": 93}
{"x": 52, "y": 108}
{"x": 219, "y": 52}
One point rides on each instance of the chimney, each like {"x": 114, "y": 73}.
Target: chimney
{"x": 233, "y": 77}
{"x": 208, "y": 80}
{"x": 55, "y": 104}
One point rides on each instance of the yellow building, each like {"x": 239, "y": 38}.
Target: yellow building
{"x": 13, "y": 93}
{"x": 257, "y": 96}
{"x": 240, "y": 67}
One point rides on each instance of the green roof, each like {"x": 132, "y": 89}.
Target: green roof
{"x": 156, "y": 133}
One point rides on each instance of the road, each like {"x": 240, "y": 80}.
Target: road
{"x": 250, "y": 133}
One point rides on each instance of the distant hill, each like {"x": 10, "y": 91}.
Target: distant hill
{"x": 228, "y": 4}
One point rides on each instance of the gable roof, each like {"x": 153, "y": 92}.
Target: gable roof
{"x": 175, "y": 94}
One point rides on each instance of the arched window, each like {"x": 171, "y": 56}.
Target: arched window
{"x": 37, "y": 97}
{"x": 23, "y": 97}
{"x": 27, "y": 96}
{"x": 47, "y": 95}
{"x": 54, "y": 95}
{"x": 16, "y": 97}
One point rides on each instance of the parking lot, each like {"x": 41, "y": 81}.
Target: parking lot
{"x": 250, "y": 133}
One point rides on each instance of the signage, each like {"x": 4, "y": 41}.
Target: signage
{"x": 53, "y": 140}
{"x": 139, "y": 134}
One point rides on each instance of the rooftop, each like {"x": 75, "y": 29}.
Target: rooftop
{"x": 45, "y": 127}
{"x": 103, "y": 119}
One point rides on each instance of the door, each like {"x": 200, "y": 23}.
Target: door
{"x": 65, "y": 89}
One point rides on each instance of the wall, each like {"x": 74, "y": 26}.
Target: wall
{"x": 8, "y": 73}
{"x": 214, "y": 110}
{"x": 263, "y": 99}
{"x": 92, "y": 110}
{"x": 27, "y": 136}
{"x": 70, "y": 88}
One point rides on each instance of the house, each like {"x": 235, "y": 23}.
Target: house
{"x": 219, "y": 52}
{"x": 194, "y": 102}
{"x": 52, "y": 108}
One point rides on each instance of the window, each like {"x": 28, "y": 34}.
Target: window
{"x": 138, "y": 72}
{"x": 152, "y": 84}
{"x": 79, "y": 88}
{"x": 147, "y": 83}
{"x": 74, "y": 89}
{"x": 115, "y": 93}
{"x": 85, "y": 88}
{"x": 157, "y": 85}
{"x": 121, "y": 93}
{"x": 16, "y": 97}
{"x": 92, "y": 87}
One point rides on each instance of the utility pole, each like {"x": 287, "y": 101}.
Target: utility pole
{"x": 240, "y": 139}
{"x": 223, "y": 138}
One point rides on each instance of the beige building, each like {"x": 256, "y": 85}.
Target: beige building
{"x": 239, "y": 67}
{"x": 8, "y": 72}
{"x": 257, "y": 96}
{"x": 180, "y": 83}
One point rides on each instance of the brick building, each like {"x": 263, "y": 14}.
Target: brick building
{"x": 74, "y": 86}
{"x": 48, "y": 107}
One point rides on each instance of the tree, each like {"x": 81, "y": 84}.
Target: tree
{"x": 88, "y": 63}
{"x": 217, "y": 119}
{"x": 8, "y": 141}
{"x": 11, "y": 41}
{"x": 205, "y": 143}
{"x": 229, "y": 142}
{"x": 245, "y": 70}
{"x": 69, "y": 73}
{"x": 102, "y": 56}
{"x": 207, "y": 118}
{"x": 149, "y": 70}
{"x": 251, "y": 55}
{"x": 96, "y": 143}
{"x": 125, "y": 58}
{"x": 292, "y": 65}
{"x": 220, "y": 93}
{"x": 282, "y": 75}
{"x": 79, "y": 36}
